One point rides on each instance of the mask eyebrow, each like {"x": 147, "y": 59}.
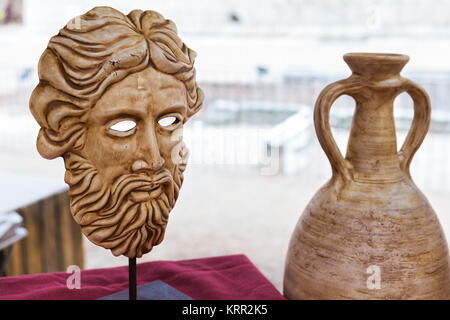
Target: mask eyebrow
{"x": 117, "y": 111}
{"x": 175, "y": 108}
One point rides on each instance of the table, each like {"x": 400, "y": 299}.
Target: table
{"x": 54, "y": 239}
{"x": 20, "y": 190}
{"x": 11, "y": 231}
{"x": 232, "y": 277}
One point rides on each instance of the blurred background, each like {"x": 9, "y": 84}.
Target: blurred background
{"x": 255, "y": 160}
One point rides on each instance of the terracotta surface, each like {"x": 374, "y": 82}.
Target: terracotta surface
{"x": 370, "y": 220}
{"x": 114, "y": 92}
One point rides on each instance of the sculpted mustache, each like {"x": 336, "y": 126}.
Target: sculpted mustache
{"x": 106, "y": 202}
{"x": 126, "y": 184}
{"x": 160, "y": 177}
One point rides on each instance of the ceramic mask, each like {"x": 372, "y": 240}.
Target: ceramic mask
{"x": 114, "y": 93}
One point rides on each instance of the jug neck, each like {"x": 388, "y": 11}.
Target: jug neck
{"x": 372, "y": 144}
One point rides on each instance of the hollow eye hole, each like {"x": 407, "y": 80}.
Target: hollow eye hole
{"x": 123, "y": 126}
{"x": 166, "y": 122}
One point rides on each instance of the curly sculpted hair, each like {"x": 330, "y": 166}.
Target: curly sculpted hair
{"x": 91, "y": 53}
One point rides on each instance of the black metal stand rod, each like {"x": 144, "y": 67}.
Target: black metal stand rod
{"x": 132, "y": 278}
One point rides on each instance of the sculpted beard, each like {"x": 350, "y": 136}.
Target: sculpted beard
{"x": 116, "y": 216}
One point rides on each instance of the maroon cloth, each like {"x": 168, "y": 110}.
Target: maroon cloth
{"x": 229, "y": 277}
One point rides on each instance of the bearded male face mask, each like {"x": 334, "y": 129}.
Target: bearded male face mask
{"x": 113, "y": 96}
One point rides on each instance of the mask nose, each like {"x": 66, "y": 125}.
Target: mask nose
{"x": 142, "y": 165}
{"x": 149, "y": 155}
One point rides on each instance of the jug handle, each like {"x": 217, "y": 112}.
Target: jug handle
{"x": 326, "y": 98}
{"x": 419, "y": 126}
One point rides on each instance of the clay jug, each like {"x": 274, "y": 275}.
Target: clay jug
{"x": 369, "y": 233}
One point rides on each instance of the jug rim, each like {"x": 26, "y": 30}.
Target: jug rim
{"x": 378, "y": 55}
{"x": 376, "y": 64}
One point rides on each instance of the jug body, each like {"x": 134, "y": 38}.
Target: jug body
{"x": 369, "y": 233}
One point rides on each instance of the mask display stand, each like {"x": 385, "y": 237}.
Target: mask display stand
{"x": 132, "y": 287}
